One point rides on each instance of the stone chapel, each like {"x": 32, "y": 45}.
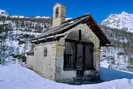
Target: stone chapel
{"x": 69, "y": 50}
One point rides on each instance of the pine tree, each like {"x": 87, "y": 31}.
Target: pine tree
{"x": 4, "y": 32}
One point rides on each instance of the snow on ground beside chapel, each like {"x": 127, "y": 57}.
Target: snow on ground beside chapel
{"x": 14, "y": 76}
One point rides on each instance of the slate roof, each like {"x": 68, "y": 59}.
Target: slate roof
{"x": 67, "y": 25}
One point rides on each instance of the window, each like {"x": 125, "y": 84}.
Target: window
{"x": 57, "y": 12}
{"x": 45, "y": 51}
{"x": 69, "y": 56}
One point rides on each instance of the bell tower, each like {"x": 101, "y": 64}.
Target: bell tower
{"x": 58, "y": 14}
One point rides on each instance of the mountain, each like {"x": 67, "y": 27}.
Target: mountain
{"x": 119, "y": 55}
{"x": 119, "y": 30}
{"x": 16, "y": 33}
{"x": 123, "y": 21}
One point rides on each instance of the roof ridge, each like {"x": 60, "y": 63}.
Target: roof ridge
{"x": 85, "y": 15}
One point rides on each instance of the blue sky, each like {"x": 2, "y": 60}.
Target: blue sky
{"x": 99, "y": 9}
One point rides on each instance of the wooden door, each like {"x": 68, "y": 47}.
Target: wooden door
{"x": 88, "y": 59}
{"x": 79, "y": 64}
{"x": 84, "y": 58}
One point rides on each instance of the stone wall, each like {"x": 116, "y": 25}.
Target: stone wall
{"x": 60, "y": 73}
{"x": 44, "y": 65}
{"x": 89, "y": 36}
{"x": 29, "y": 61}
{"x": 51, "y": 66}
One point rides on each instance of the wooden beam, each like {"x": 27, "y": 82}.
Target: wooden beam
{"x": 77, "y": 41}
{"x": 80, "y": 35}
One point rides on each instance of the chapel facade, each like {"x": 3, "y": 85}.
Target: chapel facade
{"x": 69, "y": 50}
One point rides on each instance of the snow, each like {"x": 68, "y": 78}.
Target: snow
{"x": 47, "y": 17}
{"x": 114, "y": 74}
{"x": 18, "y": 16}
{"x": 123, "y": 20}
{"x": 104, "y": 63}
{"x": 14, "y": 76}
{"x": 17, "y": 41}
{"x": 68, "y": 18}
{"x": 3, "y": 13}
{"x": 110, "y": 58}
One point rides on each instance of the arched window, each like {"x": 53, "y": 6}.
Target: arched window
{"x": 57, "y": 12}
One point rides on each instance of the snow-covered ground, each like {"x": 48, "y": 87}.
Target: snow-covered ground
{"x": 111, "y": 74}
{"x": 14, "y": 76}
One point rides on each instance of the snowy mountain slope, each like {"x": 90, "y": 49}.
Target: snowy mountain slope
{"x": 120, "y": 54}
{"x": 14, "y": 76}
{"x": 16, "y": 33}
{"x": 123, "y": 20}
{"x": 119, "y": 30}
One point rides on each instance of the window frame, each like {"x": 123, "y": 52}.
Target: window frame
{"x": 69, "y": 56}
